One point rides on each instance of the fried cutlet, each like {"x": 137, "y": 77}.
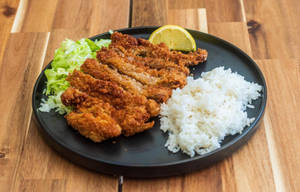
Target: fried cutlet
{"x": 164, "y": 77}
{"x": 100, "y": 71}
{"x": 132, "y": 112}
{"x": 142, "y": 47}
{"x": 104, "y": 72}
{"x": 111, "y": 92}
{"x": 119, "y": 92}
{"x": 99, "y": 121}
{"x": 91, "y": 117}
{"x": 153, "y": 65}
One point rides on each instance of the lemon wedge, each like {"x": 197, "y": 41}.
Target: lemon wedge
{"x": 175, "y": 37}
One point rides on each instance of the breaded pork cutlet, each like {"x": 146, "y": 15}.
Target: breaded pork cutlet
{"x": 100, "y": 71}
{"x": 91, "y": 117}
{"x": 118, "y": 92}
{"x": 132, "y": 112}
{"x": 126, "y": 44}
{"x": 111, "y": 93}
{"x": 150, "y": 64}
{"x": 163, "y": 77}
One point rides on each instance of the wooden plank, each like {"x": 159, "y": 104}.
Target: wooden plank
{"x": 34, "y": 16}
{"x": 173, "y": 184}
{"x": 209, "y": 179}
{"x": 77, "y": 18}
{"x": 252, "y": 165}
{"x": 292, "y": 8}
{"x": 189, "y": 18}
{"x": 284, "y": 122}
{"x": 40, "y": 163}
{"x": 150, "y": 12}
{"x": 234, "y": 32}
{"x": 217, "y": 10}
{"x": 90, "y": 181}
{"x": 45, "y": 185}
{"x": 94, "y": 16}
{"x": 109, "y": 14}
{"x": 186, "y": 4}
{"x": 21, "y": 65}
{"x": 100, "y": 21}
{"x": 223, "y": 11}
{"x": 8, "y": 10}
{"x": 280, "y": 43}
{"x": 269, "y": 39}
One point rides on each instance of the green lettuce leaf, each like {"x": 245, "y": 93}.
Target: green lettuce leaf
{"x": 70, "y": 56}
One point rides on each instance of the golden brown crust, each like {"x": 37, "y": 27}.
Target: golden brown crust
{"x": 100, "y": 71}
{"x": 121, "y": 91}
{"x": 91, "y": 117}
{"x": 142, "y": 47}
{"x": 94, "y": 99}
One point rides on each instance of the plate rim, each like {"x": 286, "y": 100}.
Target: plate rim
{"x": 196, "y": 157}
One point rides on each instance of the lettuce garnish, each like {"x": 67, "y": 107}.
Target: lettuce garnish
{"x": 70, "y": 56}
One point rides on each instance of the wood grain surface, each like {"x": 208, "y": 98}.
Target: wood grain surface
{"x": 268, "y": 30}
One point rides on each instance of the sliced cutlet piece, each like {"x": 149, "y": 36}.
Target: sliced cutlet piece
{"x": 129, "y": 112}
{"x": 109, "y": 57}
{"x": 133, "y": 119}
{"x": 189, "y": 59}
{"x": 104, "y": 72}
{"x": 91, "y": 116}
{"x": 138, "y": 58}
{"x": 123, "y": 40}
{"x": 159, "y": 63}
{"x": 162, "y": 51}
{"x": 111, "y": 92}
{"x": 128, "y": 47}
{"x": 101, "y": 71}
{"x": 107, "y": 91}
{"x": 143, "y": 48}
{"x": 165, "y": 77}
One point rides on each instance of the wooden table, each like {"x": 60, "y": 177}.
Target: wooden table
{"x": 268, "y": 30}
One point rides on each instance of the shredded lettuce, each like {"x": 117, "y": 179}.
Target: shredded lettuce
{"x": 70, "y": 56}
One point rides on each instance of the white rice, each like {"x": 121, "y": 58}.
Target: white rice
{"x": 199, "y": 116}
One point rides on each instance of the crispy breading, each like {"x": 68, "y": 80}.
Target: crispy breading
{"x": 100, "y": 71}
{"x": 104, "y": 72}
{"x": 163, "y": 77}
{"x": 91, "y": 105}
{"x": 106, "y": 90}
{"x": 143, "y": 48}
{"x": 121, "y": 91}
{"x": 133, "y": 119}
{"x": 150, "y": 64}
{"x": 111, "y": 92}
{"x": 123, "y": 40}
{"x": 162, "y": 51}
{"x": 91, "y": 117}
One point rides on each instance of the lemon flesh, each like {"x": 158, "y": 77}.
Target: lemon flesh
{"x": 175, "y": 37}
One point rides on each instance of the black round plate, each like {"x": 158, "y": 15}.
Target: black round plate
{"x": 144, "y": 154}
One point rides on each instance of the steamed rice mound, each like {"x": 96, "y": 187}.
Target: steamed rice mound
{"x": 199, "y": 116}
